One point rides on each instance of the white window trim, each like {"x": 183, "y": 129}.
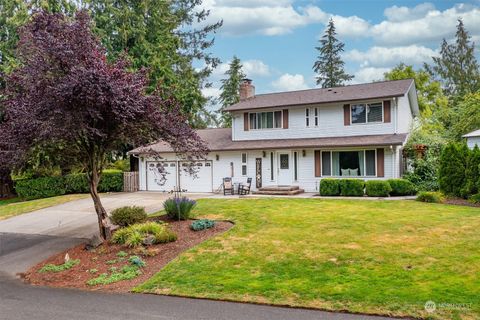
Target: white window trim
{"x": 262, "y": 129}
{"x": 313, "y": 117}
{"x": 367, "y": 105}
{"x": 349, "y": 150}
{"x": 307, "y": 117}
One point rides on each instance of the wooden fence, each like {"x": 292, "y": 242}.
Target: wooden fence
{"x": 130, "y": 181}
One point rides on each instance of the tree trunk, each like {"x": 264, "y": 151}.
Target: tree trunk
{"x": 103, "y": 220}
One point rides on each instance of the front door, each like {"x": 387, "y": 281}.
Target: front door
{"x": 284, "y": 174}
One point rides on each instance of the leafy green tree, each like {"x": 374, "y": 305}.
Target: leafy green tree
{"x": 329, "y": 66}
{"x": 166, "y": 37}
{"x": 456, "y": 67}
{"x": 453, "y": 163}
{"x": 472, "y": 173}
{"x": 230, "y": 90}
{"x": 467, "y": 116}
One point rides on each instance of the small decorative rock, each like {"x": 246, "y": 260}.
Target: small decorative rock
{"x": 94, "y": 242}
{"x": 149, "y": 240}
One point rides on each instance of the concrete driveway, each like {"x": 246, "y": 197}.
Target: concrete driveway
{"x": 27, "y": 239}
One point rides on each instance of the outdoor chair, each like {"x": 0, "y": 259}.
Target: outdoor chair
{"x": 244, "y": 189}
{"x": 227, "y": 186}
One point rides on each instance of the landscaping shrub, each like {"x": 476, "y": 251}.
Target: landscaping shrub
{"x": 377, "y": 188}
{"x": 40, "y": 187}
{"x": 136, "y": 261}
{"x": 126, "y": 273}
{"x": 329, "y": 187}
{"x": 126, "y": 216}
{"x": 401, "y": 187}
{"x": 351, "y": 187}
{"x": 179, "y": 208}
{"x": 475, "y": 198}
{"x": 452, "y": 169}
{"x": 202, "y": 224}
{"x": 111, "y": 181}
{"x": 58, "y": 268}
{"x": 472, "y": 173}
{"x": 138, "y": 234}
{"x": 432, "y": 197}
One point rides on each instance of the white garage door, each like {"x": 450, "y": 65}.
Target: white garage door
{"x": 201, "y": 181}
{"x": 156, "y": 181}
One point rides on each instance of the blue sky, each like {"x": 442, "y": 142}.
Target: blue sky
{"x": 275, "y": 39}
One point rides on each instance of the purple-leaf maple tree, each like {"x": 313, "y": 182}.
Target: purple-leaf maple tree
{"x": 67, "y": 93}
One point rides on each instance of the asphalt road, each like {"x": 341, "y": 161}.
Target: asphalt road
{"x": 23, "y": 302}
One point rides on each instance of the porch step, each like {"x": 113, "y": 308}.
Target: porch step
{"x": 279, "y": 190}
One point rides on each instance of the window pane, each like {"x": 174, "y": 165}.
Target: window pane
{"x": 307, "y": 117}
{"x": 375, "y": 112}
{"x": 278, "y": 119}
{"x": 244, "y": 158}
{"x": 326, "y": 164}
{"x": 271, "y": 166}
{"x": 270, "y": 120}
{"x": 295, "y": 165}
{"x": 284, "y": 161}
{"x": 370, "y": 162}
{"x": 359, "y": 113}
{"x": 244, "y": 170}
{"x": 264, "y": 120}
{"x": 253, "y": 121}
{"x": 349, "y": 163}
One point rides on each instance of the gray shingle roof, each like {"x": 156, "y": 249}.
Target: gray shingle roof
{"x": 221, "y": 140}
{"x": 375, "y": 90}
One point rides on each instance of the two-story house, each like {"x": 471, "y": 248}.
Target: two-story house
{"x": 296, "y": 138}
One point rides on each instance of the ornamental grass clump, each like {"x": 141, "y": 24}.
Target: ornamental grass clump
{"x": 144, "y": 234}
{"x": 179, "y": 208}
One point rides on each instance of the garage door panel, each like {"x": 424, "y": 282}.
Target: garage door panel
{"x": 201, "y": 181}
{"x": 156, "y": 181}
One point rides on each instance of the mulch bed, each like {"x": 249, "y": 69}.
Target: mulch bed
{"x": 461, "y": 202}
{"x": 77, "y": 276}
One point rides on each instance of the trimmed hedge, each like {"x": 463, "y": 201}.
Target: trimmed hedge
{"x": 111, "y": 181}
{"x": 377, "y": 188}
{"x": 126, "y": 216}
{"x": 401, "y": 187}
{"x": 329, "y": 187}
{"x": 431, "y": 197}
{"x": 352, "y": 187}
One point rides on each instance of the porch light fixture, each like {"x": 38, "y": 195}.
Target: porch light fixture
{"x": 217, "y": 157}
{"x": 304, "y": 153}
{"x": 264, "y": 154}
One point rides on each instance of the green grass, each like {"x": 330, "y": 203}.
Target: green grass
{"x": 15, "y": 206}
{"x": 378, "y": 257}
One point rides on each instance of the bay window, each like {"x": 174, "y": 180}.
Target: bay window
{"x": 360, "y": 163}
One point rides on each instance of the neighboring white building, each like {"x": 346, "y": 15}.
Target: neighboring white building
{"x": 473, "y": 138}
{"x": 297, "y": 138}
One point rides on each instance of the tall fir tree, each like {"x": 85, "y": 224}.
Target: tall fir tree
{"x": 329, "y": 66}
{"x": 472, "y": 173}
{"x": 456, "y": 67}
{"x": 452, "y": 166}
{"x": 230, "y": 90}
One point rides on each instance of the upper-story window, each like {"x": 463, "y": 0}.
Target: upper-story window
{"x": 311, "y": 117}
{"x": 367, "y": 112}
{"x": 266, "y": 120}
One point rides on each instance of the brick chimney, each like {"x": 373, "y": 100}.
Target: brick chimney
{"x": 247, "y": 89}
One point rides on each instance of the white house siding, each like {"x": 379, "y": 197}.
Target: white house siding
{"x": 471, "y": 141}
{"x": 331, "y": 123}
{"x": 306, "y": 167}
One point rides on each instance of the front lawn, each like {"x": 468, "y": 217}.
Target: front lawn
{"x": 379, "y": 257}
{"x": 14, "y": 207}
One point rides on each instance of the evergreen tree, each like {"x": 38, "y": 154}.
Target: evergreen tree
{"x": 457, "y": 67}
{"x": 472, "y": 173}
{"x": 166, "y": 37}
{"x": 453, "y": 162}
{"x": 230, "y": 90}
{"x": 329, "y": 66}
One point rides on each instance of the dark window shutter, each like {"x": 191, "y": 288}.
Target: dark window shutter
{"x": 387, "y": 113}
{"x": 245, "y": 121}
{"x": 380, "y": 162}
{"x": 318, "y": 163}
{"x": 285, "y": 118}
{"x": 346, "y": 114}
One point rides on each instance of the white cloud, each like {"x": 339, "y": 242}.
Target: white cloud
{"x": 384, "y": 57}
{"x": 290, "y": 82}
{"x": 397, "y": 14}
{"x": 369, "y": 74}
{"x": 255, "y": 68}
{"x": 211, "y": 92}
